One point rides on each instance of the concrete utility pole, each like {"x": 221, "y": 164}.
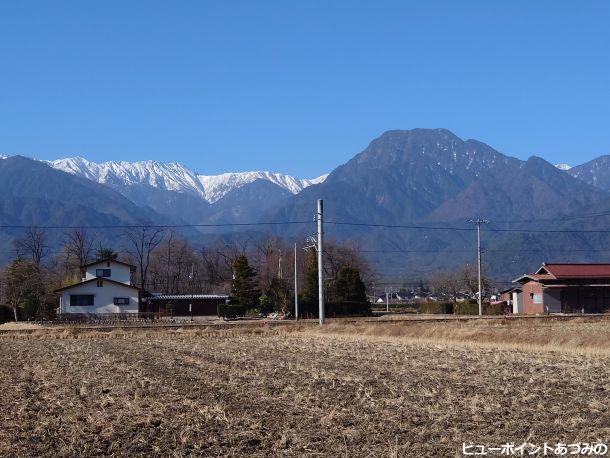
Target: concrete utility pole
{"x": 478, "y": 222}
{"x": 387, "y": 301}
{"x": 320, "y": 263}
{"x": 296, "y": 288}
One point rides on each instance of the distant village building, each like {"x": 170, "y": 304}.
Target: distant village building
{"x": 106, "y": 287}
{"x": 565, "y": 288}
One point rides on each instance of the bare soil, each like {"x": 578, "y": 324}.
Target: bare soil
{"x": 358, "y": 390}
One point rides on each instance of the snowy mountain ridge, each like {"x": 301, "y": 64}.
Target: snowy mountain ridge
{"x": 172, "y": 176}
{"x": 564, "y": 167}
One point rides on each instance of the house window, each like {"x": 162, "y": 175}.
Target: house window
{"x": 102, "y": 273}
{"x": 121, "y": 301}
{"x": 537, "y": 298}
{"x": 100, "y": 284}
{"x": 78, "y": 300}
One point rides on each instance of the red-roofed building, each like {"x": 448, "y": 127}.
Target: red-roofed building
{"x": 566, "y": 288}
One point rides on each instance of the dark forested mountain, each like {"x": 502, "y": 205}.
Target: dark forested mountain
{"x": 35, "y": 194}
{"x": 428, "y": 178}
{"x": 246, "y": 203}
{"x": 431, "y": 177}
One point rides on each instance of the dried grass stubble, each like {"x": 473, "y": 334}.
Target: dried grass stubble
{"x": 290, "y": 393}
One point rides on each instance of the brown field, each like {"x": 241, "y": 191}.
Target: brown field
{"x": 360, "y": 389}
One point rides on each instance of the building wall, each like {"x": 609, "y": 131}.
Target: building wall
{"x": 532, "y": 290}
{"x": 119, "y": 272}
{"x": 517, "y": 302}
{"x": 103, "y": 298}
{"x": 552, "y": 300}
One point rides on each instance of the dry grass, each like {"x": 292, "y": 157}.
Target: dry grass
{"x": 19, "y": 326}
{"x": 398, "y": 390}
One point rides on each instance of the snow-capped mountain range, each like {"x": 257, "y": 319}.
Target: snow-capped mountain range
{"x": 172, "y": 176}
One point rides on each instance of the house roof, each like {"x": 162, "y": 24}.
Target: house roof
{"x": 578, "y": 270}
{"x": 510, "y": 290}
{"x": 535, "y": 277}
{"x": 568, "y": 271}
{"x": 96, "y": 279}
{"x": 101, "y": 261}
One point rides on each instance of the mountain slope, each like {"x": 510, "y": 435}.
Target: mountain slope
{"x": 174, "y": 190}
{"x": 595, "y": 172}
{"x": 246, "y": 203}
{"x": 35, "y": 194}
{"x": 418, "y": 178}
{"x": 430, "y": 177}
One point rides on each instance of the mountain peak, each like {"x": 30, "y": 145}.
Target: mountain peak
{"x": 563, "y": 167}
{"x": 420, "y": 132}
{"x": 173, "y": 176}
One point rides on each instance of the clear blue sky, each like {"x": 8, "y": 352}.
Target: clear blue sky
{"x": 300, "y": 86}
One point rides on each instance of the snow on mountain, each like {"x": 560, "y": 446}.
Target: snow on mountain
{"x": 217, "y": 186}
{"x": 167, "y": 176}
{"x": 172, "y": 176}
{"x": 563, "y": 166}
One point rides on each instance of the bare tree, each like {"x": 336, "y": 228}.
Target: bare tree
{"x": 34, "y": 245}
{"x": 174, "y": 266}
{"x": 22, "y": 283}
{"x": 216, "y": 271}
{"x": 142, "y": 241}
{"x": 79, "y": 246}
{"x": 446, "y": 282}
{"x": 337, "y": 255}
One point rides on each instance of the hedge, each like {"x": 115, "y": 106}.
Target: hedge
{"x": 437, "y": 307}
{"x": 6, "y": 314}
{"x": 336, "y": 309}
{"x": 231, "y": 310}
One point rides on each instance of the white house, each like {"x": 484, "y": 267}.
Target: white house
{"x": 106, "y": 287}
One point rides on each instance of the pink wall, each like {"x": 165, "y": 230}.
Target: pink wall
{"x": 529, "y": 288}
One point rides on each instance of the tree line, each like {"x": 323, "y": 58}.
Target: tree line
{"x": 257, "y": 272}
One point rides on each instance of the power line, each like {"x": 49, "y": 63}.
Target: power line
{"x": 472, "y": 229}
{"x": 554, "y": 250}
{"x": 159, "y": 226}
{"x": 557, "y": 218}
{"x": 335, "y": 223}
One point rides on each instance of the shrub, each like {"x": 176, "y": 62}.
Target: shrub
{"x": 336, "y": 309}
{"x": 265, "y": 306}
{"x": 6, "y": 314}
{"x": 436, "y": 307}
{"x": 348, "y": 308}
{"x": 231, "y": 310}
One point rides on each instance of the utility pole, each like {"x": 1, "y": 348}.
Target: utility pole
{"x": 279, "y": 265}
{"x": 191, "y": 277}
{"x": 387, "y": 301}
{"x": 478, "y": 222}
{"x": 296, "y": 288}
{"x": 320, "y": 261}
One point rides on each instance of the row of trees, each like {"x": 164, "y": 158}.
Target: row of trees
{"x": 166, "y": 262}
{"x": 345, "y": 284}
{"x": 462, "y": 280}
